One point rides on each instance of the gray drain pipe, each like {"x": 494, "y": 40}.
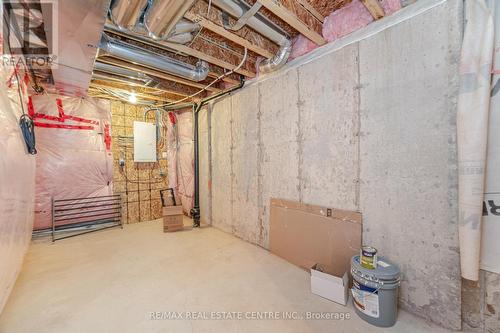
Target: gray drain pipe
{"x": 195, "y": 212}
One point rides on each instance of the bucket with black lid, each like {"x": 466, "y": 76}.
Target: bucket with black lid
{"x": 375, "y": 292}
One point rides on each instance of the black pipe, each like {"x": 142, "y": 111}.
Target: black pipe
{"x": 195, "y": 212}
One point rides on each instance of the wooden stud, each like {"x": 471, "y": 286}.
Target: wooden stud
{"x": 374, "y": 8}
{"x": 284, "y": 12}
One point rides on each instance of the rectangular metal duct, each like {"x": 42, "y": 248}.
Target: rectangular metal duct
{"x": 81, "y": 23}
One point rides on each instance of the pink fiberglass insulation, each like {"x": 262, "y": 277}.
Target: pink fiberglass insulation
{"x": 74, "y": 162}
{"x": 301, "y": 45}
{"x": 17, "y": 187}
{"x": 353, "y": 17}
{"x": 180, "y": 157}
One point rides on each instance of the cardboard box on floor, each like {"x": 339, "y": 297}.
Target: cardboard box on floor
{"x": 310, "y": 235}
{"x": 173, "y": 218}
{"x": 330, "y": 282}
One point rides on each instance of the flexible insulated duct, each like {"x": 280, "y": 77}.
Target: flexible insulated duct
{"x": 162, "y": 16}
{"x": 263, "y": 26}
{"x": 136, "y": 55}
{"x": 125, "y": 14}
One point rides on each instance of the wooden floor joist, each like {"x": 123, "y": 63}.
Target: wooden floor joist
{"x": 374, "y": 8}
{"x": 105, "y": 85}
{"x": 295, "y": 15}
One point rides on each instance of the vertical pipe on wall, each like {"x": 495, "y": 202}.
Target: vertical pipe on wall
{"x": 195, "y": 212}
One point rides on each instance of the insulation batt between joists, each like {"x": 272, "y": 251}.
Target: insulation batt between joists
{"x": 352, "y": 17}
{"x": 342, "y": 22}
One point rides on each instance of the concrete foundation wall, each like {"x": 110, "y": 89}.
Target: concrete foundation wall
{"x": 369, "y": 126}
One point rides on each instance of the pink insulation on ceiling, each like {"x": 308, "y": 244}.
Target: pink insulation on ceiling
{"x": 17, "y": 184}
{"x": 353, "y": 17}
{"x": 180, "y": 157}
{"x": 340, "y": 23}
{"x": 301, "y": 45}
{"x": 74, "y": 157}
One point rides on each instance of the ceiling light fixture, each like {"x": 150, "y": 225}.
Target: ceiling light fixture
{"x": 132, "y": 98}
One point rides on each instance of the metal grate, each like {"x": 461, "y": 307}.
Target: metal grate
{"x": 84, "y": 215}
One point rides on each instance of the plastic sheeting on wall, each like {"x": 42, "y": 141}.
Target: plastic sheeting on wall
{"x": 490, "y": 245}
{"x": 472, "y": 130}
{"x": 74, "y": 161}
{"x": 17, "y": 184}
{"x": 180, "y": 152}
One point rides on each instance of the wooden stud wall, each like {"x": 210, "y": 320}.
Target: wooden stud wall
{"x": 141, "y": 201}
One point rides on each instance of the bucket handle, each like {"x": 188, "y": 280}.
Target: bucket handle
{"x": 376, "y": 280}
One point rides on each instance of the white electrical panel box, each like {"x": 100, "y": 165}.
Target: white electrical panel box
{"x": 144, "y": 142}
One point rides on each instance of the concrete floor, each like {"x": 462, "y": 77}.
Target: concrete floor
{"x": 111, "y": 281}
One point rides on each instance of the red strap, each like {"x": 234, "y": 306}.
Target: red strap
{"x": 31, "y": 109}
{"x": 107, "y": 137}
{"x": 48, "y": 117}
{"x": 70, "y": 127}
{"x": 14, "y": 72}
{"x": 173, "y": 120}
{"x": 60, "y": 108}
{"x": 81, "y": 120}
{"x": 62, "y": 117}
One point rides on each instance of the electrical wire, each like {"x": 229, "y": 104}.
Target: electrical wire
{"x": 26, "y": 122}
{"x": 213, "y": 82}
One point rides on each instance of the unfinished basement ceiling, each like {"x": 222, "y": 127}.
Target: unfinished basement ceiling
{"x": 230, "y": 39}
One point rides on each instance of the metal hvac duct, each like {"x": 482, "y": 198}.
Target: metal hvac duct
{"x": 162, "y": 16}
{"x": 136, "y": 55}
{"x": 123, "y": 72}
{"x": 262, "y": 25}
{"x": 116, "y": 78}
{"x": 125, "y": 14}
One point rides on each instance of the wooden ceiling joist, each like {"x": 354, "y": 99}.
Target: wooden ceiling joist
{"x": 374, "y": 8}
{"x": 106, "y": 85}
{"x": 297, "y": 17}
